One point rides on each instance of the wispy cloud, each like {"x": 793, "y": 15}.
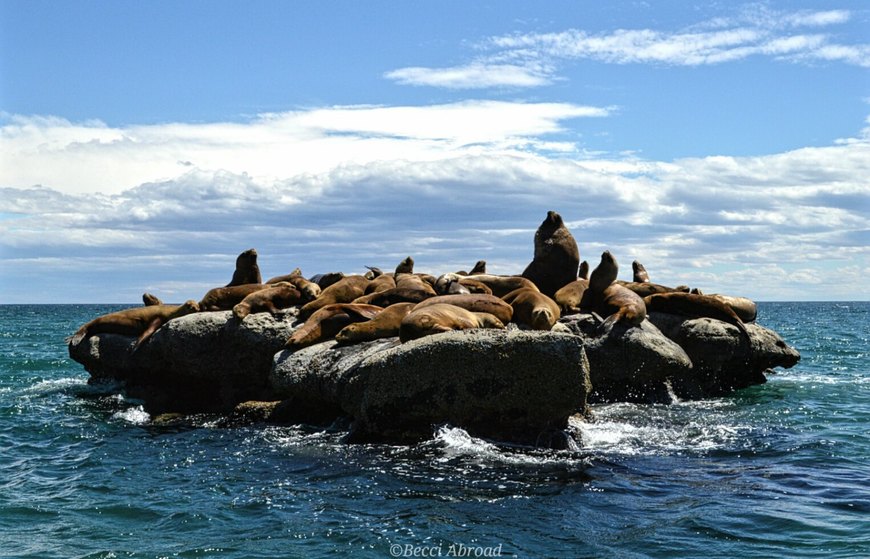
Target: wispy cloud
{"x": 532, "y": 59}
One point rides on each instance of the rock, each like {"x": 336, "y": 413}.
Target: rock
{"x": 723, "y": 360}
{"x": 506, "y": 385}
{"x": 629, "y": 364}
{"x": 202, "y": 362}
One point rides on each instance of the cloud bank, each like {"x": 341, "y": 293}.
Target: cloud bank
{"x": 532, "y": 59}
{"x": 101, "y": 214}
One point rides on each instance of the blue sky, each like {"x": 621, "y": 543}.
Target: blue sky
{"x": 143, "y": 145}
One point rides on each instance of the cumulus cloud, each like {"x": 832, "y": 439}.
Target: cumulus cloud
{"x": 532, "y": 59}
{"x": 448, "y": 196}
{"x": 85, "y": 157}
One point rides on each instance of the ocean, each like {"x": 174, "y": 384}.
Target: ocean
{"x": 776, "y": 470}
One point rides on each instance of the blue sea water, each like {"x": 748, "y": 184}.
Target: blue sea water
{"x": 776, "y": 470}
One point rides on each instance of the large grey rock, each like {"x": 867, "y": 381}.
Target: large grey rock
{"x": 201, "y": 362}
{"x": 629, "y": 364}
{"x": 503, "y": 384}
{"x": 723, "y": 359}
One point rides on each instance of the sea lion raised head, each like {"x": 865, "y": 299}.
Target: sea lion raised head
{"x": 557, "y": 257}
{"x": 406, "y": 266}
{"x": 639, "y": 273}
{"x": 247, "y": 270}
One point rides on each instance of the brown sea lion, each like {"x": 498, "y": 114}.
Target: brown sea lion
{"x": 138, "y": 321}
{"x": 568, "y": 298}
{"x": 414, "y": 281}
{"x": 433, "y": 319}
{"x": 557, "y": 257}
{"x": 583, "y": 272}
{"x": 247, "y": 271}
{"x": 745, "y": 308}
{"x": 297, "y": 272}
{"x": 225, "y": 298}
{"x": 395, "y": 295}
{"x": 608, "y": 298}
{"x": 406, "y": 266}
{"x": 384, "y": 325}
{"x": 499, "y": 285}
{"x": 373, "y": 272}
{"x": 639, "y": 273}
{"x": 695, "y": 306}
{"x": 533, "y": 308}
{"x": 343, "y": 291}
{"x": 648, "y": 288}
{"x": 325, "y": 280}
{"x": 328, "y": 321}
{"x": 474, "y": 302}
{"x": 272, "y": 299}
{"x": 381, "y": 283}
{"x": 150, "y": 300}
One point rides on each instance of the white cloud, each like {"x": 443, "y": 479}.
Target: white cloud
{"x": 531, "y": 59}
{"x": 75, "y": 158}
{"x": 477, "y": 75}
{"x": 449, "y": 195}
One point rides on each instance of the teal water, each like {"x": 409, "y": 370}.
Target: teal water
{"x": 777, "y": 470}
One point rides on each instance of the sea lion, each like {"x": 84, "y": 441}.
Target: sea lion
{"x": 499, "y": 285}
{"x": 150, "y": 300}
{"x": 648, "y": 288}
{"x": 696, "y": 306}
{"x": 138, "y": 321}
{"x": 414, "y": 281}
{"x": 271, "y": 299}
{"x": 395, "y": 295}
{"x": 328, "y": 321}
{"x": 608, "y": 298}
{"x": 583, "y": 272}
{"x": 373, "y": 272}
{"x": 474, "y": 302}
{"x": 433, "y": 319}
{"x": 456, "y": 288}
{"x": 384, "y": 325}
{"x": 557, "y": 257}
{"x": 639, "y": 274}
{"x": 247, "y": 270}
{"x": 381, "y": 283}
{"x": 568, "y": 297}
{"x": 533, "y": 308}
{"x": 297, "y": 272}
{"x": 479, "y": 268}
{"x": 225, "y": 298}
{"x": 343, "y": 291}
{"x": 745, "y": 308}
{"x": 406, "y": 266}
{"x": 325, "y": 280}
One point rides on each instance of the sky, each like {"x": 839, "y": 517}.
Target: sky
{"x": 144, "y": 145}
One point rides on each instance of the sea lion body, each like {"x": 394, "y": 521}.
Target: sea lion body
{"x": 325, "y": 280}
{"x": 382, "y": 282}
{"x": 271, "y": 299}
{"x": 499, "y": 285}
{"x": 343, "y": 291}
{"x": 474, "y": 302}
{"x": 745, "y": 308}
{"x": 247, "y": 270}
{"x": 328, "y": 321}
{"x": 395, "y": 295}
{"x": 533, "y": 308}
{"x": 648, "y": 288}
{"x": 695, "y": 306}
{"x": 138, "y": 321}
{"x": 297, "y": 272}
{"x": 434, "y": 319}
{"x": 569, "y": 296}
{"x": 384, "y": 325}
{"x": 556, "y": 258}
{"x": 225, "y": 298}
{"x": 608, "y": 298}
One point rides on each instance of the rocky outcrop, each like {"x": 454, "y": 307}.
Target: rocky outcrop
{"x": 502, "y": 384}
{"x": 723, "y": 360}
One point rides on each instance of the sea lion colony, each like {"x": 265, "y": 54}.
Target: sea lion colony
{"x": 407, "y": 304}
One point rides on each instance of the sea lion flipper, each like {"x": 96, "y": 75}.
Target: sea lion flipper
{"x": 152, "y": 327}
